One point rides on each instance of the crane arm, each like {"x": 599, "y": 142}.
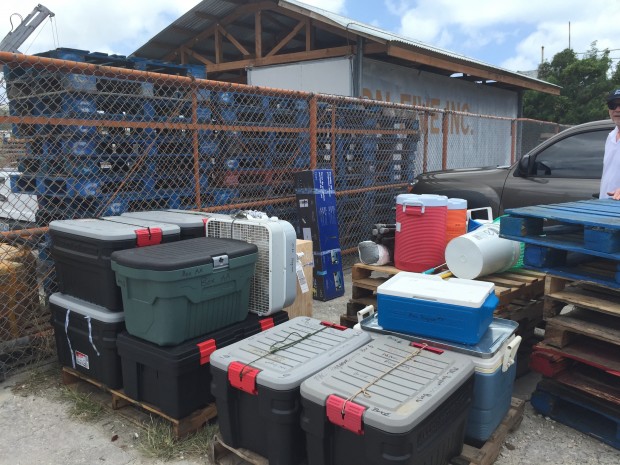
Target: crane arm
{"x": 14, "y": 39}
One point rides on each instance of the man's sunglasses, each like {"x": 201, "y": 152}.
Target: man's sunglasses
{"x": 613, "y": 105}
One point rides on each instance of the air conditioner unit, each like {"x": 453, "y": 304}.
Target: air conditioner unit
{"x": 274, "y": 285}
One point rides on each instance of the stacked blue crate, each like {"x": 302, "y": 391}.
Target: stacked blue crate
{"x": 81, "y": 171}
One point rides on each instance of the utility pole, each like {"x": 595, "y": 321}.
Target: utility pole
{"x": 569, "y": 35}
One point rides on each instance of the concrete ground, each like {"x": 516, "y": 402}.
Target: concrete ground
{"x": 38, "y": 429}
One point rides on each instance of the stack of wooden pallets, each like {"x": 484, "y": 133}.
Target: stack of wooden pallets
{"x": 578, "y": 245}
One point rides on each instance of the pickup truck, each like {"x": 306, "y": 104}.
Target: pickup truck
{"x": 564, "y": 168}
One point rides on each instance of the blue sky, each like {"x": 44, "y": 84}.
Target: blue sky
{"x": 510, "y": 33}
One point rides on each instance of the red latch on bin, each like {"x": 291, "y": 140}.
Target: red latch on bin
{"x": 266, "y": 323}
{"x": 352, "y": 417}
{"x": 206, "y": 348}
{"x": 432, "y": 349}
{"x": 329, "y": 324}
{"x": 148, "y": 236}
{"x": 243, "y": 377}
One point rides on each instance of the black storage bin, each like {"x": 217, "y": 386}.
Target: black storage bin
{"x": 81, "y": 250}
{"x": 177, "y": 379}
{"x": 86, "y": 337}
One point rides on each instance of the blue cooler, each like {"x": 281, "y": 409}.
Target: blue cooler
{"x": 495, "y": 370}
{"x": 457, "y": 310}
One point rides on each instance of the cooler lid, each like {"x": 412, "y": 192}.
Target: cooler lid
{"x": 389, "y": 383}
{"x": 280, "y": 358}
{"x": 453, "y": 291}
{"x": 111, "y": 228}
{"x": 457, "y": 204}
{"x": 182, "y": 218}
{"x": 428, "y": 200}
{"x": 82, "y": 307}
{"x": 182, "y": 254}
{"x": 500, "y": 330}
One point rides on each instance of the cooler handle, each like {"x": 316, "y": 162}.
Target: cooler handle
{"x": 413, "y": 203}
{"x": 510, "y": 353}
{"x": 148, "y": 236}
{"x": 365, "y": 312}
{"x": 488, "y": 210}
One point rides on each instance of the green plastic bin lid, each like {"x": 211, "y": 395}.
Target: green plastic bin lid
{"x": 182, "y": 254}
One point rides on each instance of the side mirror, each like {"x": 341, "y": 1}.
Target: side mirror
{"x": 523, "y": 167}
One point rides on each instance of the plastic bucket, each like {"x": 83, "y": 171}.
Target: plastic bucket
{"x": 481, "y": 252}
{"x": 420, "y": 237}
{"x": 456, "y": 222}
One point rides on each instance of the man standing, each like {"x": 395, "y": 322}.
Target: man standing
{"x": 610, "y": 181}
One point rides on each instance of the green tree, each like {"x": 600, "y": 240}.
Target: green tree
{"x": 584, "y": 82}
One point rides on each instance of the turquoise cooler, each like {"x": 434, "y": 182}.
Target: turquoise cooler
{"x": 495, "y": 369}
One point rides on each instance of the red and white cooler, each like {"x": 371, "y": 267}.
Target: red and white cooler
{"x": 420, "y": 238}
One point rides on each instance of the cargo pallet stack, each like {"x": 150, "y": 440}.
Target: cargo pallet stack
{"x": 580, "y": 354}
{"x": 82, "y": 171}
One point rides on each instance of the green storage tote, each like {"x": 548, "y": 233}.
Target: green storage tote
{"x": 174, "y": 292}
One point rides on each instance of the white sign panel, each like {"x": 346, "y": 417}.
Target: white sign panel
{"x": 331, "y": 76}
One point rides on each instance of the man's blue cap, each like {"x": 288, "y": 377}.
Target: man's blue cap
{"x": 613, "y": 95}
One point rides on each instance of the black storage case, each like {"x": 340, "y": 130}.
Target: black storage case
{"x": 86, "y": 336}
{"x": 81, "y": 250}
{"x": 177, "y": 379}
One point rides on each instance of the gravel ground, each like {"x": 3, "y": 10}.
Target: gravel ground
{"x": 38, "y": 429}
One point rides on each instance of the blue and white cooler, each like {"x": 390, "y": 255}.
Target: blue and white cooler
{"x": 392, "y": 401}
{"x": 256, "y": 384}
{"x": 494, "y": 359}
{"x": 458, "y": 310}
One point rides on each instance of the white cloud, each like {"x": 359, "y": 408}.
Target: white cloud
{"x": 519, "y": 28}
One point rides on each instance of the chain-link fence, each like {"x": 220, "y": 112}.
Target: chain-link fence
{"x": 88, "y": 135}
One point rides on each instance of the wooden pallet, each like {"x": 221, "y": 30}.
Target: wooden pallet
{"x": 560, "y": 291}
{"x": 579, "y": 410}
{"x": 223, "y": 454}
{"x": 562, "y": 330}
{"x": 489, "y": 451}
{"x": 515, "y": 289}
{"x": 140, "y": 415}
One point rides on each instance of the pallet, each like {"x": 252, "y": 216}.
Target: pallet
{"x": 561, "y": 291}
{"x": 117, "y": 400}
{"x": 489, "y": 451}
{"x": 223, "y": 454}
{"x": 580, "y": 324}
{"x": 517, "y": 291}
{"x": 582, "y": 412}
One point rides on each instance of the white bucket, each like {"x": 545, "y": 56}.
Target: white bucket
{"x": 481, "y": 252}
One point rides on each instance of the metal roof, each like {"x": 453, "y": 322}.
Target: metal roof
{"x": 209, "y": 12}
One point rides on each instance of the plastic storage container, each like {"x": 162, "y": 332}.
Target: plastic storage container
{"x": 453, "y": 309}
{"x": 177, "y": 379}
{"x": 81, "y": 250}
{"x": 256, "y": 384}
{"x": 388, "y": 402}
{"x": 420, "y": 238}
{"x": 456, "y": 221}
{"x": 178, "y": 291}
{"x": 86, "y": 336}
{"x": 191, "y": 223}
{"x": 495, "y": 371}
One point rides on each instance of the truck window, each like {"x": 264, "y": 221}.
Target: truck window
{"x": 577, "y": 156}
